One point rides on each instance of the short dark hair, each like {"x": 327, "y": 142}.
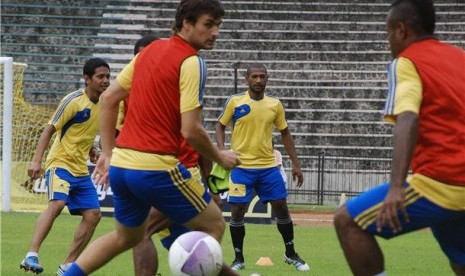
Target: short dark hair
{"x": 92, "y": 64}
{"x": 418, "y": 14}
{"x": 191, "y": 10}
{"x": 144, "y": 41}
{"x": 256, "y": 66}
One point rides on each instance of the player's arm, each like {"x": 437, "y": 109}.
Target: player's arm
{"x": 109, "y": 101}
{"x": 289, "y": 146}
{"x": 198, "y": 138}
{"x": 109, "y": 106}
{"x": 191, "y": 83}
{"x": 44, "y": 141}
{"x": 220, "y": 135}
{"x": 205, "y": 165}
{"x": 65, "y": 111}
{"x": 223, "y": 121}
{"x": 402, "y": 107}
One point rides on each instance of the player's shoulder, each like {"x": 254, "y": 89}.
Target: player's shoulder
{"x": 237, "y": 97}
{"x": 271, "y": 99}
{"x": 73, "y": 96}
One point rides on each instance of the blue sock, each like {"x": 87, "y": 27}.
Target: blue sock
{"x": 74, "y": 270}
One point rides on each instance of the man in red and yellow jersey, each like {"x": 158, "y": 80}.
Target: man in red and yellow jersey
{"x": 426, "y": 101}
{"x": 165, "y": 82}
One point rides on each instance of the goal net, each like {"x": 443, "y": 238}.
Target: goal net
{"x": 28, "y": 123}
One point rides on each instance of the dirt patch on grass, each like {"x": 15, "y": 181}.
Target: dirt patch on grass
{"x": 312, "y": 218}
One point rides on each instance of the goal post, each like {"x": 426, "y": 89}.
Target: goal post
{"x": 7, "y": 134}
{"x": 22, "y": 123}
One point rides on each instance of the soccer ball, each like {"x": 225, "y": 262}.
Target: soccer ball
{"x": 195, "y": 253}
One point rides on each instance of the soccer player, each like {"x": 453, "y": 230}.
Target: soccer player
{"x": 165, "y": 82}
{"x": 426, "y": 101}
{"x": 145, "y": 253}
{"x": 254, "y": 115}
{"x": 75, "y": 123}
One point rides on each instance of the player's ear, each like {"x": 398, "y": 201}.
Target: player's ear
{"x": 86, "y": 79}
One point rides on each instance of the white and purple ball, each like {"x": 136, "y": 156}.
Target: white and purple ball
{"x": 195, "y": 253}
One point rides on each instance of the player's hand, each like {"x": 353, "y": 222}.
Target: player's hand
{"x": 34, "y": 170}
{"x": 229, "y": 159}
{"x": 100, "y": 174}
{"x": 217, "y": 199}
{"x": 297, "y": 175}
{"x": 389, "y": 212}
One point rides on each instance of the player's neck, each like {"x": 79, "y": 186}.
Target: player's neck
{"x": 93, "y": 95}
{"x": 256, "y": 95}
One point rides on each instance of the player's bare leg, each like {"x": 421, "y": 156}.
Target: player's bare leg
{"x": 83, "y": 234}
{"x": 45, "y": 222}
{"x": 361, "y": 250}
{"x": 458, "y": 269}
{"x": 210, "y": 221}
{"x": 145, "y": 253}
{"x": 43, "y": 225}
{"x": 108, "y": 246}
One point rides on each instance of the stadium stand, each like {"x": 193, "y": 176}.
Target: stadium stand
{"x": 327, "y": 59}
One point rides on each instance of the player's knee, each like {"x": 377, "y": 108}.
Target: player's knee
{"x": 55, "y": 207}
{"x": 92, "y": 216}
{"x": 218, "y": 231}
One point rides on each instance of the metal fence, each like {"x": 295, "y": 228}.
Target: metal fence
{"x": 326, "y": 178}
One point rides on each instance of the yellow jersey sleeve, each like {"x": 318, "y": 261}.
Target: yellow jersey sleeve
{"x": 65, "y": 111}
{"x": 404, "y": 89}
{"x": 121, "y": 116}
{"x": 280, "y": 120}
{"x": 227, "y": 114}
{"x": 124, "y": 78}
{"x": 192, "y": 82}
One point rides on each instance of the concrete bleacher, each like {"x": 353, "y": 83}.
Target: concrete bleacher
{"x": 327, "y": 60}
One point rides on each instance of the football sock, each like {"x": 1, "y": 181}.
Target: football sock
{"x": 75, "y": 270}
{"x": 32, "y": 254}
{"x": 237, "y": 230}
{"x": 381, "y": 274}
{"x": 286, "y": 229}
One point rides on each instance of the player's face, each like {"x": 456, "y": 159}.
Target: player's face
{"x": 203, "y": 34}
{"x": 256, "y": 80}
{"x": 99, "y": 81}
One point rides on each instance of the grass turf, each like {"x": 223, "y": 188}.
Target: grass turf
{"x": 413, "y": 254}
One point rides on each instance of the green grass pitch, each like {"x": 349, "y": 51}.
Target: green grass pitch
{"x": 413, "y": 254}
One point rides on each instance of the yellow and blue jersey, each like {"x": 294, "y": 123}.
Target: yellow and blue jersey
{"x": 76, "y": 124}
{"x": 405, "y": 93}
{"x": 253, "y": 123}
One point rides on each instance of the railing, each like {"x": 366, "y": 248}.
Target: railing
{"x": 326, "y": 178}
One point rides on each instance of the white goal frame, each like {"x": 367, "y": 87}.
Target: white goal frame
{"x": 7, "y": 131}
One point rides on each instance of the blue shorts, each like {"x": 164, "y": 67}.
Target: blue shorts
{"x": 169, "y": 235}
{"x": 268, "y": 184}
{"x": 79, "y": 193}
{"x": 173, "y": 192}
{"x": 448, "y": 226}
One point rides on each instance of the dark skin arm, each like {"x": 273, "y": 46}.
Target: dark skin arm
{"x": 405, "y": 138}
{"x": 288, "y": 143}
{"x": 220, "y": 135}
{"x": 44, "y": 140}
